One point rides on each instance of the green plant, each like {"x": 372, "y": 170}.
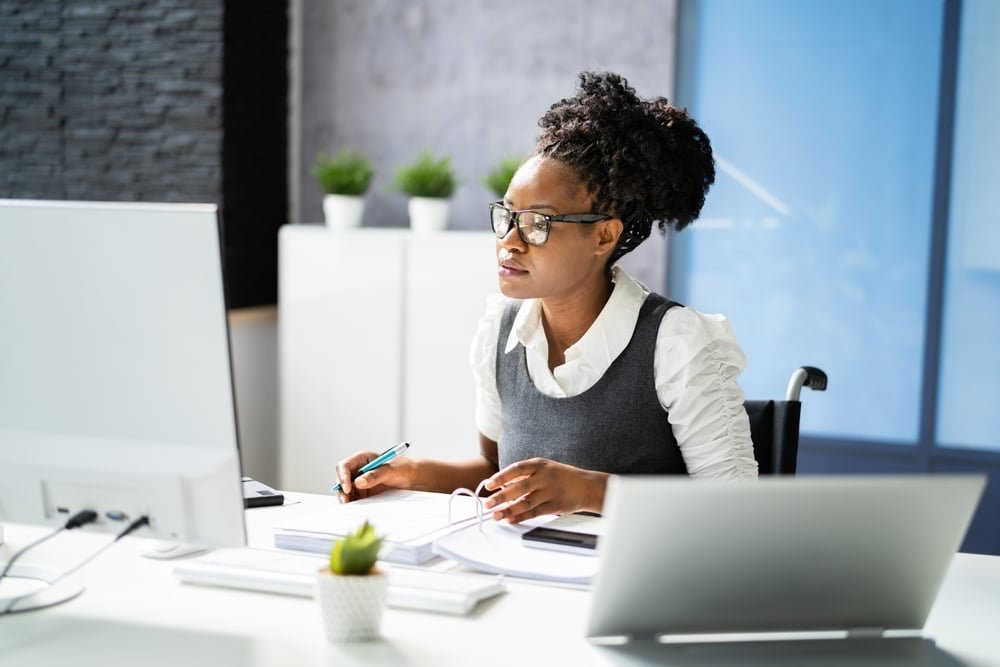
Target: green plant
{"x": 357, "y": 552}
{"x": 343, "y": 173}
{"x": 427, "y": 176}
{"x": 499, "y": 177}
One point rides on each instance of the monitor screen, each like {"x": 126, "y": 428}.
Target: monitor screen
{"x": 116, "y": 389}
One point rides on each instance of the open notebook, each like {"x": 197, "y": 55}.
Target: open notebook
{"x": 805, "y": 554}
{"x": 418, "y": 525}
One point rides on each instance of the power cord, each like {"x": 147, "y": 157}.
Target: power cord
{"x": 81, "y": 518}
{"x": 135, "y": 525}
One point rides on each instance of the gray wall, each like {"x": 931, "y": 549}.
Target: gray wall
{"x": 253, "y": 337}
{"x": 467, "y": 78}
{"x": 115, "y": 100}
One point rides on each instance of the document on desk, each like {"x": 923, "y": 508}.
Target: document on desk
{"x": 498, "y": 549}
{"x": 410, "y": 521}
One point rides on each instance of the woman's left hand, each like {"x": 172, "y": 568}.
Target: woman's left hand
{"x": 533, "y": 487}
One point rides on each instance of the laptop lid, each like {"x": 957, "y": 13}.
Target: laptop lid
{"x": 778, "y": 554}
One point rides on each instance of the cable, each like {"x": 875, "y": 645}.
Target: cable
{"x": 138, "y": 523}
{"x": 81, "y": 518}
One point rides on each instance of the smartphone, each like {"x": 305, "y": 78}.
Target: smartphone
{"x": 557, "y": 539}
{"x": 258, "y": 494}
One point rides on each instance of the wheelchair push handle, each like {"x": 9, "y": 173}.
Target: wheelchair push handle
{"x": 805, "y": 376}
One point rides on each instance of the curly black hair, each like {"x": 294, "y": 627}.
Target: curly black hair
{"x": 640, "y": 160}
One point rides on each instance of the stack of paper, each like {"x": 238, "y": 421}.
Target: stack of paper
{"x": 410, "y": 521}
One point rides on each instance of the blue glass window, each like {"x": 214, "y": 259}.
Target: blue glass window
{"x": 815, "y": 239}
{"x": 969, "y": 390}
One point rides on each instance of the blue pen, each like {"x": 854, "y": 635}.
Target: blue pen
{"x": 379, "y": 460}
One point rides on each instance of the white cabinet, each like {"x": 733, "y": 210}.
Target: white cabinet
{"x": 374, "y": 328}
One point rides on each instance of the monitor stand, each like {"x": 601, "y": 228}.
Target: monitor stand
{"x": 165, "y": 549}
{"x": 36, "y": 581}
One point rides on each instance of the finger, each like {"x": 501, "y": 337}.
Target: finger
{"x": 382, "y": 475}
{"x": 346, "y": 468}
{"x": 512, "y": 473}
{"x": 520, "y": 511}
{"x": 363, "y": 493}
{"x": 507, "y": 510}
{"x": 517, "y": 504}
{"x": 509, "y": 494}
{"x": 499, "y": 509}
{"x": 358, "y": 494}
{"x": 355, "y": 494}
{"x": 344, "y": 477}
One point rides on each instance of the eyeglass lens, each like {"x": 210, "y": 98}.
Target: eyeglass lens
{"x": 533, "y": 227}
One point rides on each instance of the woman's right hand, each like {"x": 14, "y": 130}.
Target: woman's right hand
{"x": 400, "y": 473}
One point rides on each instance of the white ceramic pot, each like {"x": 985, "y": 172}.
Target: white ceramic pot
{"x": 428, "y": 214}
{"x": 351, "y": 605}
{"x": 343, "y": 211}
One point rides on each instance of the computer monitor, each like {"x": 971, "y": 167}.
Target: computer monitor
{"x": 116, "y": 390}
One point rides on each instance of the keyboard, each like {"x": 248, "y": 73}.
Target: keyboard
{"x": 295, "y": 574}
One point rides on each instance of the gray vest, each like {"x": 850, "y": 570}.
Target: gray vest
{"x": 616, "y": 426}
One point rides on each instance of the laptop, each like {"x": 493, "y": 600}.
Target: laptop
{"x": 863, "y": 554}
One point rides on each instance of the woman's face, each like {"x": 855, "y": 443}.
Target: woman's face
{"x": 572, "y": 258}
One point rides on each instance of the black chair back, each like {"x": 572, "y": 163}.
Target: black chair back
{"x": 774, "y": 429}
{"x": 774, "y": 425}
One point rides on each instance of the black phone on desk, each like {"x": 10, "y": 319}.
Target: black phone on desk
{"x": 258, "y": 494}
{"x": 558, "y": 539}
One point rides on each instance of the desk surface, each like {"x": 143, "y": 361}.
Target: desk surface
{"x": 134, "y": 612}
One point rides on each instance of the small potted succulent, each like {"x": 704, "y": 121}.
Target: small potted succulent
{"x": 352, "y": 591}
{"x": 344, "y": 178}
{"x": 430, "y": 182}
{"x": 499, "y": 177}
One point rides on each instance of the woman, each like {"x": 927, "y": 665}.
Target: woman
{"x": 581, "y": 372}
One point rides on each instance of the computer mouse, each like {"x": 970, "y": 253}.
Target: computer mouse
{"x": 165, "y": 549}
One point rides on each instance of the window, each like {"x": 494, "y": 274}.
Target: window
{"x": 855, "y": 224}
{"x": 815, "y": 239}
{"x": 969, "y": 395}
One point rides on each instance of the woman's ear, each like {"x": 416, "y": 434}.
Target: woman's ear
{"x": 608, "y": 233}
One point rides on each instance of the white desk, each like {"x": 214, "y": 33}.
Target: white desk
{"x": 135, "y": 613}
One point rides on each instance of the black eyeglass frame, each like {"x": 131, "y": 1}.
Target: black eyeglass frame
{"x": 515, "y": 216}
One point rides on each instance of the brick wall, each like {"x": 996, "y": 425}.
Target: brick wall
{"x": 111, "y": 100}
{"x": 126, "y": 100}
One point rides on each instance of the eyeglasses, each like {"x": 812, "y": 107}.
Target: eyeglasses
{"x": 532, "y": 226}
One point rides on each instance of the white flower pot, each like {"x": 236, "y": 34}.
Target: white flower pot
{"x": 428, "y": 214}
{"x": 343, "y": 211}
{"x": 351, "y": 605}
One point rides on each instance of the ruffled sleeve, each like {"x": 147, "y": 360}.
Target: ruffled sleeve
{"x": 696, "y": 367}
{"x": 483, "y": 357}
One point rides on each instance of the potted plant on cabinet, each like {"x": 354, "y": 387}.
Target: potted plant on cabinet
{"x": 344, "y": 178}
{"x": 498, "y": 178}
{"x": 430, "y": 182}
{"x": 352, "y": 591}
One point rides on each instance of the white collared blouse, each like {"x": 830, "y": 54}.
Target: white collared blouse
{"x": 696, "y": 366}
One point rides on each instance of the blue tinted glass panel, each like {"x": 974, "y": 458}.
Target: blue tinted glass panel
{"x": 969, "y": 389}
{"x": 815, "y": 239}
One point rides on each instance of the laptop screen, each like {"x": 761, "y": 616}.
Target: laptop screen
{"x": 777, "y": 554}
